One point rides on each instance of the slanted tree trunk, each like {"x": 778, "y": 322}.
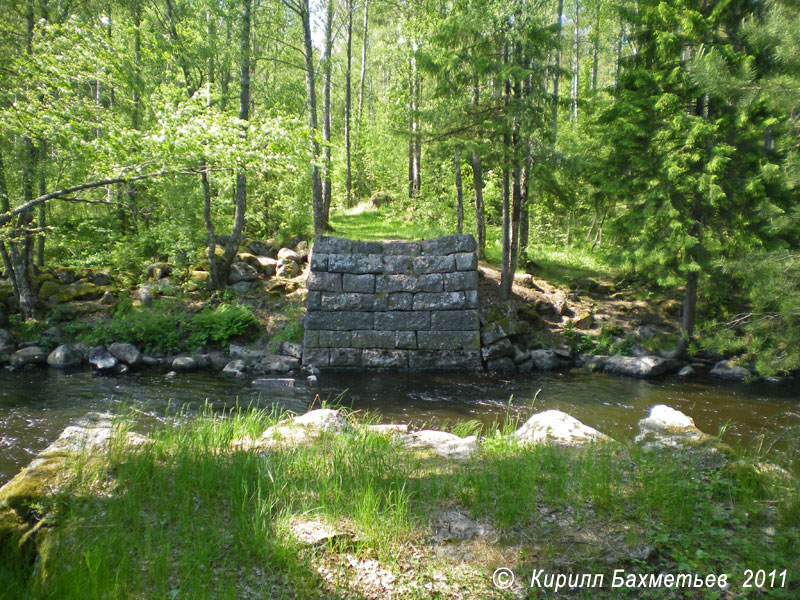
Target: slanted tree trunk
{"x": 557, "y": 73}
{"x": 459, "y": 193}
{"x": 223, "y": 265}
{"x": 301, "y": 7}
{"x": 689, "y": 312}
{"x": 363, "y": 74}
{"x": 575, "y": 49}
{"x": 596, "y": 46}
{"x": 348, "y": 106}
{"x": 506, "y": 275}
{"x": 326, "y": 110}
{"x": 14, "y": 258}
{"x": 477, "y": 186}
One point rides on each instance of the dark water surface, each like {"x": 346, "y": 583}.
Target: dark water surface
{"x": 36, "y": 405}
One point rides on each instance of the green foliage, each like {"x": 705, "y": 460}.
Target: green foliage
{"x": 167, "y": 326}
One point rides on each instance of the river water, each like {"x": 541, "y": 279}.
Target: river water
{"x": 36, "y": 405}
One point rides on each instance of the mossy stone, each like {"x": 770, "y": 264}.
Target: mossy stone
{"x": 49, "y": 288}
{"x": 80, "y": 291}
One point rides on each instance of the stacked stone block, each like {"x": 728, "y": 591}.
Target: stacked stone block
{"x": 395, "y": 305}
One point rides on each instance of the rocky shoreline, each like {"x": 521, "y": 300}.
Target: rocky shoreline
{"x": 506, "y": 338}
{"x": 239, "y": 361}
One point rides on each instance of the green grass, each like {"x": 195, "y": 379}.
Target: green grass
{"x": 366, "y": 223}
{"x": 187, "y": 517}
{"x": 561, "y": 268}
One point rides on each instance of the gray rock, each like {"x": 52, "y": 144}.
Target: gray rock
{"x": 323, "y": 419}
{"x": 289, "y": 254}
{"x": 65, "y": 275}
{"x": 454, "y": 526}
{"x": 101, "y": 278}
{"x": 450, "y": 244}
{"x": 159, "y": 270}
{"x": 268, "y": 266}
{"x": 548, "y": 360}
{"x": 461, "y": 320}
{"x": 686, "y": 372}
{"x": 397, "y": 321}
{"x": 445, "y": 360}
{"x": 241, "y": 287}
{"x": 234, "y": 368}
{"x": 184, "y": 363}
{"x": 101, "y": 359}
{"x": 666, "y": 427}
{"x": 32, "y": 355}
{"x": 273, "y": 363}
{"x": 500, "y": 364}
{"x": 293, "y": 349}
{"x": 645, "y": 332}
{"x": 247, "y": 355}
{"x": 274, "y": 382}
{"x": 384, "y": 359}
{"x": 466, "y": 261}
{"x": 65, "y": 356}
{"x": 725, "y": 369}
{"x": 521, "y": 355}
{"x": 241, "y": 271}
{"x": 151, "y": 361}
{"x": 358, "y": 264}
{"x": 144, "y": 295}
{"x": 442, "y": 443}
{"x": 491, "y": 333}
{"x": 7, "y": 343}
{"x": 352, "y": 320}
{"x": 289, "y": 270}
{"x": 311, "y": 380}
{"x": 261, "y": 249}
{"x": 324, "y": 282}
{"x": 396, "y": 248}
{"x": 639, "y": 366}
{"x": 54, "y": 333}
{"x": 219, "y": 359}
{"x": 497, "y": 349}
{"x": 107, "y": 298}
{"x": 433, "y": 264}
{"x": 127, "y": 353}
{"x": 557, "y": 427}
{"x": 202, "y": 359}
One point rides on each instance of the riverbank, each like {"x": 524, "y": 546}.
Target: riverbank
{"x": 250, "y": 505}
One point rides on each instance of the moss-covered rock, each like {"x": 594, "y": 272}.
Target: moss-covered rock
{"x": 80, "y": 290}
{"x": 49, "y": 288}
{"x": 159, "y": 270}
{"x": 200, "y": 276}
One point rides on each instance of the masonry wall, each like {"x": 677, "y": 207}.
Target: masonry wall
{"x": 393, "y": 305}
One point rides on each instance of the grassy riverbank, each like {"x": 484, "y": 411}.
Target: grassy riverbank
{"x": 188, "y": 517}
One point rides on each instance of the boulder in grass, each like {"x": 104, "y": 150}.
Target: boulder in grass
{"x": 665, "y": 427}
{"x": 241, "y": 272}
{"x": 557, "y": 427}
{"x": 297, "y": 430}
{"x": 446, "y": 445}
{"x": 289, "y": 270}
{"x": 288, "y": 254}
